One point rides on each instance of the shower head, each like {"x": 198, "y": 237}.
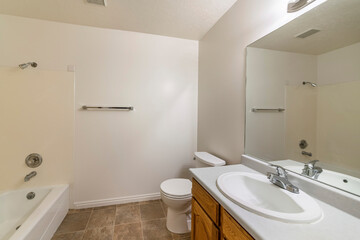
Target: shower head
{"x": 312, "y": 84}
{"x": 25, "y": 65}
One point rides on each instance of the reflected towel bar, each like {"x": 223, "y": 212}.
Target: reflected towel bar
{"x": 268, "y": 109}
{"x": 107, "y": 108}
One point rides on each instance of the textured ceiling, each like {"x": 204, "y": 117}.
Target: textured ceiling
{"x": 189, "y": 19}
{"x": 337, "y": 20}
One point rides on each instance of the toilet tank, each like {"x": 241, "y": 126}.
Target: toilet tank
{"x": 205, "y": 159}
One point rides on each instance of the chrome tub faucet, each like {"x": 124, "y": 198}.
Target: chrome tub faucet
{"x": 309, "y": 154}
{"x": 280, "y": 179}
{"x": 29, "y": 176}
{"x": 312, "y": 171}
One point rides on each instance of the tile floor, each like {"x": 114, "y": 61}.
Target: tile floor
{"x": 132, "y": 221}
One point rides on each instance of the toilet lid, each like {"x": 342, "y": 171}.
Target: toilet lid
{"x": 176, "y": 187}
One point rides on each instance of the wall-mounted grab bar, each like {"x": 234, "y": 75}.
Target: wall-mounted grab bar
{"x": 107, "y": 108}
{"x": 267, "y": 109}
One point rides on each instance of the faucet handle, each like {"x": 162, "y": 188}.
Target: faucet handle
{"x": 280, "y": 170}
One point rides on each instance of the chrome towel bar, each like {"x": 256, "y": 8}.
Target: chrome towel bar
{"x": 267, "y": 109}
{"x": 107, "y": 108}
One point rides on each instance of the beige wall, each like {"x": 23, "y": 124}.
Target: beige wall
{"x": 37, "y": 116}
{"x": 338, "y": 125}
{"x": 118, "y": 155}
{"x": 338, "y": 115}
{"x": 340, "y": 65}
{"x": 221, "y": 119}
{"x": 300, "y": 123}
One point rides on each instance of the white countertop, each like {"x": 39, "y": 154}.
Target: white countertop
{"x": 335, "y": 223}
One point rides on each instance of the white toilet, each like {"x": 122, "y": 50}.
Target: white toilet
{"x": 176, "y": 194}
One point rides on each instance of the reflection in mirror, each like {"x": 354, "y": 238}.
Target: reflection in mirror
{"x": 310, "y": 67}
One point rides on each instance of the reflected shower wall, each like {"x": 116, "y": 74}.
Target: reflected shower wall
{"x": 326, "y": 116}
{"x": 338, "y": 124}
{"x": 300, "y": 115}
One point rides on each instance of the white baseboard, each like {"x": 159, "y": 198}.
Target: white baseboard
{"x": 118, "y": 200}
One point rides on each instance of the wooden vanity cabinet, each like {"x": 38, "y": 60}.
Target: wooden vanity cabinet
{"x": 201, "y": 225}
{"x": 209, "y": 221}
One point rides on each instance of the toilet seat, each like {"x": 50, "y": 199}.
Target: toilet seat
{"x": 176, "y": 188}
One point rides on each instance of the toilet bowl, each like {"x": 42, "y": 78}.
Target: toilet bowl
{"x": 176, "y": 194}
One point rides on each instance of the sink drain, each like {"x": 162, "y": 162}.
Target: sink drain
{"x": 18, "y": 227}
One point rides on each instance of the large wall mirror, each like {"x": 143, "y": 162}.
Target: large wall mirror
{"x": 303, "y": 95}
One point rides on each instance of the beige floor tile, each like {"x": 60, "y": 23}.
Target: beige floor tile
{"x": 127, "y": 204}
{"x": 103, "y": 233}
{"x": 149, "y": 201}
{"x": 127, "y": 214}
{"x": 69, "y": 236}
{"x": 102, "y": 218}
{"x": 105, "y": 207}
{"x": 151, "y": 211}
{"x": 74, "y": 222}
{"x": 130, "y": 231}
{"x": 156, "y": 230}
{"x": 71, "y": 211}
{"x": 184, "y": 236}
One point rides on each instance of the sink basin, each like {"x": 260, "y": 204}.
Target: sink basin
{"x": 255, "y": 193}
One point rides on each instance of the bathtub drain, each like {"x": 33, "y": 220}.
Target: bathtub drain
{"x": 30, "y": 195}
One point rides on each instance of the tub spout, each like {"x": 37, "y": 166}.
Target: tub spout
{"x": 29, "y": 176}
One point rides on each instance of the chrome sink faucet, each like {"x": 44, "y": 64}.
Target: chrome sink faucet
{"x": 310, "y": 170}
{"x": 29, "y": 176}
{"x": 280, "y": 179}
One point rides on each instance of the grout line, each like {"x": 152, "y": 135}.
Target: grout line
{"x": 127, "y": 223}
{"x": 86, "y": 227}
{"x": 141, "y": 226}
{"x": 163, "y": 208}
{"x": 68, "y": 232}
{"x": 83, "y": 236}
{"x": 113, "y": 227}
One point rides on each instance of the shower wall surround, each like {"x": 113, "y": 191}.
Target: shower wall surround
{"x": 118, "y": 156}
{"x": 37, "y": 116}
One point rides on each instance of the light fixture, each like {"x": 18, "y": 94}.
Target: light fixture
{"x": 296, "y": 5}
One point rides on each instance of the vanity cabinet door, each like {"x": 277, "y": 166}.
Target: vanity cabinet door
{"x": 206, "y": 201}
{"x": 231, "y": 230}
{"x": 202, "y": 226}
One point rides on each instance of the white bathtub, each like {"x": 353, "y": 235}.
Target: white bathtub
{"x": 39, "y": 217}
{"x": 339, "y": 180}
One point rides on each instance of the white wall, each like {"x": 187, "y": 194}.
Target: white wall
{"x": 118, "y": 154}
{"x": 221, "y": 116}
{"x": 274, "y": 80}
